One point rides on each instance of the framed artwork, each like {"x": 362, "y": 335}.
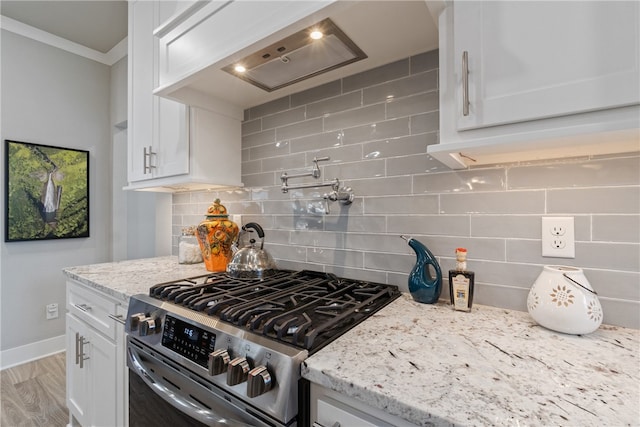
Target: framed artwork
{"x": 47, "y": 192}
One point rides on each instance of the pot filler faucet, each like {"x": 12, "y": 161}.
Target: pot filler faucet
{"x": 338, "y": 193}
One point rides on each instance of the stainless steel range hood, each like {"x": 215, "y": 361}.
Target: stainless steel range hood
{"x": 315, "y": 50}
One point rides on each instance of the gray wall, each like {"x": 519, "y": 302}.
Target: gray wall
{"x": 52, "y": 97}
{"x": 377, "y": 145}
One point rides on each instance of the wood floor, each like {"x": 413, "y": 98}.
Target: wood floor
{"x": 33, "y": 394}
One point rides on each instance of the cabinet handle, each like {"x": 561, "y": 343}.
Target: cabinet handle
{"x": 80, "y": 342}
{"x": 81, "y": 357}
{"x": 465, "y": 83}
{"x": 148, "y": 152}
{"x": 77, "y": 348}
{"x": 118, "y": 318}
{"x": 83, "y": 307}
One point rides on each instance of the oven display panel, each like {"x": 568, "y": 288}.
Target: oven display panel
{"x": 190, "y": 341}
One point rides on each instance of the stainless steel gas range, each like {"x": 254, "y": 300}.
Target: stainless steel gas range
{"x": 227, "y": 351}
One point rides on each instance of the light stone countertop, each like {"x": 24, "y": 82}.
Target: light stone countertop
{"x": 123, "y": 279}
{"x": 432, "y": 365}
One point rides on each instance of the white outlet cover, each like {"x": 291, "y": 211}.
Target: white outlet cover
{"x": 558, "y": 246}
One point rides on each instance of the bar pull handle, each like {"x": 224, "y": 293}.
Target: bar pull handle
{"x": 148, "y": 152}
{"x": 465, "y": 83}
{"x": 82, "y": 357}
{"x": 77, "y": 348}
{"x": 83, "y": 307}
{"x": 118, "y": 318}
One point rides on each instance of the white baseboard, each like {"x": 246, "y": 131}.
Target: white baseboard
{"x": 29, "y": 352}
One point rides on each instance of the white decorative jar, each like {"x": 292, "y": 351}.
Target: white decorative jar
{"x": 561, "y": 299}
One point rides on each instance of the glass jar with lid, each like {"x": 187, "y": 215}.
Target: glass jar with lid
{"x": 188, "y": 247}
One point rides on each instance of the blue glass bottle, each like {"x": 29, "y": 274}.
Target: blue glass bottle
{"x": 423, "y": 286}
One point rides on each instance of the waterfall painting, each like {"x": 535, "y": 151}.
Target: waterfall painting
{"x": 47, "y": 192}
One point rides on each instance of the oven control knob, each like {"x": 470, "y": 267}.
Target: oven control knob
{"x": 135, "y": 320}
{"x": 218, "y": 361}
{"x": 148, "y": 326}
{"x": 258, "y": 381}
{"x": 237, "y": 371}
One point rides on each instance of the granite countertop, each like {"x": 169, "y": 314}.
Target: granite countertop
{"x": 123, "y": 279}
{"x": 432, "y": 365}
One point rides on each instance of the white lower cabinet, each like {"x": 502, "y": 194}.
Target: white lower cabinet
{"x": 97, "y": 386}
{"x": 332, "y": 409}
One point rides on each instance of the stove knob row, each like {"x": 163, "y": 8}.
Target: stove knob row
{"x": 259, "y": 381}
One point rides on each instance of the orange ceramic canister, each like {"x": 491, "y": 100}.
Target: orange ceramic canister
{"x": 215, "y": 236}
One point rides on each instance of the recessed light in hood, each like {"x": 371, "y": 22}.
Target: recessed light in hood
{"x": 298, "y": 57}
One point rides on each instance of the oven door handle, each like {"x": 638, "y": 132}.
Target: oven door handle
{"x": 187, "y": 406}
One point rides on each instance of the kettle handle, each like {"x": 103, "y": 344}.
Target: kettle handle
{"x": 258, "y": 229}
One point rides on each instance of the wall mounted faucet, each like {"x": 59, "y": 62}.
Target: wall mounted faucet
{"x": 338, "y": 193}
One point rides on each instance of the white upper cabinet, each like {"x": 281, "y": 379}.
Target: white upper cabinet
{"x": 524, "y": 80}
{"x": 532, "y": 60}
{"x": 158, "y": 133}
{"x": 164, "y": 149}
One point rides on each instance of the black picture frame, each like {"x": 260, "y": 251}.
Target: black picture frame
{"x": 46, "y": 192}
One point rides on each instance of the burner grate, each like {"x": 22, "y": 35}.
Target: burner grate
{"x": 306, "y": 309}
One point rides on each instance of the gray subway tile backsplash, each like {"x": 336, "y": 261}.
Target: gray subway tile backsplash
{"x": 286, "y": 117}
{"x": 385, "y": 73}
{"x": 354, "y": 117}
{"x": 424, "y": 62}
{"x": 379, "y": 149}
{"x": 335, "y": 104}
{"x": 376, "y": 131}
{"x": 400, "y": 88}
{"x": 317, "y": 93}
{"x": 611, "y": 200}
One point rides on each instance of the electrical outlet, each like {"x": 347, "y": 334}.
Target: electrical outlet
{"x": 558, "y": 239}
{"x": 237, "y": 218}
{"x": 52, "y": 311}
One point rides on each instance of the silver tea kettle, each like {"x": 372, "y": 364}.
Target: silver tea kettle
{"x": 251, "y": 262}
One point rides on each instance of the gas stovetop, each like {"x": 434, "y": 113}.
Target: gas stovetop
{"x": 305, "y": 309}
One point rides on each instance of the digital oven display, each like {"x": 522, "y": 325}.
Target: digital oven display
{"x": 190, "y": 341}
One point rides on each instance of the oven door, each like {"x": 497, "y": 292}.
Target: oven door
{"x": 161, "y": 392}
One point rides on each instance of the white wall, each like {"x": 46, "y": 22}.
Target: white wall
{"x": 52, "y": 97}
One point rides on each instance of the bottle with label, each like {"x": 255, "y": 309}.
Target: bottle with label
{"x": 461, "y": 283}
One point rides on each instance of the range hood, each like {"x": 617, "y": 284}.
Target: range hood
{"x": 315, "y": 50}
{"x": 361, "y": 35}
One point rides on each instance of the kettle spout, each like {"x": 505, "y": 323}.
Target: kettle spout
{"x": 424, "y": 286}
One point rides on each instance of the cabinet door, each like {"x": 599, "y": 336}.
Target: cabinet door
{"x": 77, "y": 379}
{"x": 122, "y": 372}
{"x": 171, "y": 138}
{"x": 158, "y": 133}
{"x": 141, "y": 105}
{"x": 91, "y": 384}
{"x": 533, "y": 60}
{"x": 100, "y": 363}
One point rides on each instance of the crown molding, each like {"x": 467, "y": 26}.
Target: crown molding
{"x": 118, "y": 52}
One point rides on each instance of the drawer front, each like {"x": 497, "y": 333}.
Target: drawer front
{"x": 98, "y": 310}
